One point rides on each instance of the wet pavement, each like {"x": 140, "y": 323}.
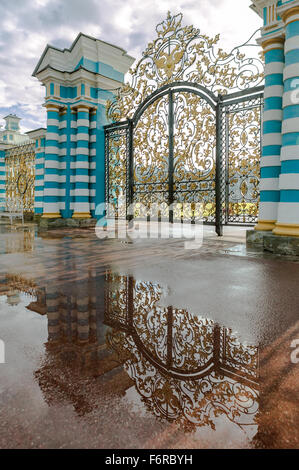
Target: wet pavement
{"x": 114, "y": 344}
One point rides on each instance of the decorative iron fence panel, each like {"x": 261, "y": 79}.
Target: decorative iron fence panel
{"x": 242, "y": 157}
{"x": 116, "y": 168}
{"x": 20, "y": 175}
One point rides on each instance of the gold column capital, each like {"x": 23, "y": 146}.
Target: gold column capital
{"x": 84, "y": 106}
{"x": 56, "y": 106}
{"x": 272, "y": 43}
{"x": 286, "y": 15}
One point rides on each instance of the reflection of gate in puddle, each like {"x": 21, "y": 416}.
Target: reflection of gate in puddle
{"x": 18, "y": 241}
{"x": 13, "y": 285}
{"x": 186, "y": 368}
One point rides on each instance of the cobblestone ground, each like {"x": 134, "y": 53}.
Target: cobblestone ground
{"x": 144, "y": 344}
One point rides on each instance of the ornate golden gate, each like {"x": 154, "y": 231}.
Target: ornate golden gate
{"x": 187, "y": 130}
{"x": 20, "y": 175}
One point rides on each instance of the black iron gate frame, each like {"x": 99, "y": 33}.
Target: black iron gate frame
{"x": 222, "y": 105}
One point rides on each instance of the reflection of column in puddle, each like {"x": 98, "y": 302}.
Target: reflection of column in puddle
{"x": 73, "y": 314}
{"x": 64, "y": 315}
{"x": 92, "y": 305}
{"x": 52, "y": 301}
{"x": 82, "y": 305}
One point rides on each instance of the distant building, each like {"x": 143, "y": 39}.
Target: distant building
{"x": 11, "y": 134}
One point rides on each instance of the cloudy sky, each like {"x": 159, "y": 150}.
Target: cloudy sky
{"x": 27, "y": 26}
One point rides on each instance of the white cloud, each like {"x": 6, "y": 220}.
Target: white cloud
{"x": 27, "y": 26}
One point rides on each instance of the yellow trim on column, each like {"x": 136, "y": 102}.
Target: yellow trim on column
{"x": 269, "y": 42}
{"x": 51, "y": 215}
{"x": 287, "y": 230}
{"x": 81, "y": 215}
{"x": 272, "y": 42}
{"x": 287, "y": 14}
{"x": 89, "y": 107}
{"x": 56, "y": 106}
{"x": 265, "y": 225}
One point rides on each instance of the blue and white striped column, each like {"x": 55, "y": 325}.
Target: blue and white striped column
{"x": 39, "y": 175}
{"x": 52, "y": 194}
{"x": 73, "y": 140}
{"x": 2, "y": 175}
{"x": 80, "y": 192}
{"x": 93, "y": 159}
{"x": 271, "y": 136}
{"x": 288, "y": 211}
{"x": 63, "y": 149}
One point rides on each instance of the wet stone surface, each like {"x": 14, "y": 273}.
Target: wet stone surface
{"x": 276, "y": 244}
{"x": 110, "y": 344}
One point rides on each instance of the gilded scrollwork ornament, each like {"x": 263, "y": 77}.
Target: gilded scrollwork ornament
{"x": 182, "y": 53}
{"x": 20, "y": 176}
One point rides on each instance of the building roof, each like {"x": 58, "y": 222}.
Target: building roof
{"x": 119, "y": 51}
{"x": 12, "y": 116}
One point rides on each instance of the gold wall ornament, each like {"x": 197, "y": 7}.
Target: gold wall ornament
{"x": 20, "y": 175}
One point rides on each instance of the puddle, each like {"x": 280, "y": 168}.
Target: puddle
{"x": 174, "y": 368}
{"x": 157, "y": 355}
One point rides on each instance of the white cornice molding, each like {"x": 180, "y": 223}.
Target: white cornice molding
{"x": 77, "y": 77}
{"x": 274, "y": 27}
{"x": 90, "y": 48}
{"x": 287, "y": 6}
{"x": 36, "y": 133}
{"x": 257, "y": 7}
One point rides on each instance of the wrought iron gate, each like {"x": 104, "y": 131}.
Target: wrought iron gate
{"x": 20, "y": 175}
{"x": 186, "y": 141}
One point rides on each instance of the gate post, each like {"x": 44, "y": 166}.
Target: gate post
{"x": 271, "y": 133}
{"x": 2, "y": 174}
{"x": 219, "y": 224}
{"x": 288, "y": 208}
{"x": 280, "y": 161}
{"x": 130, "y": 171}
{"x": 170, "y": 160}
